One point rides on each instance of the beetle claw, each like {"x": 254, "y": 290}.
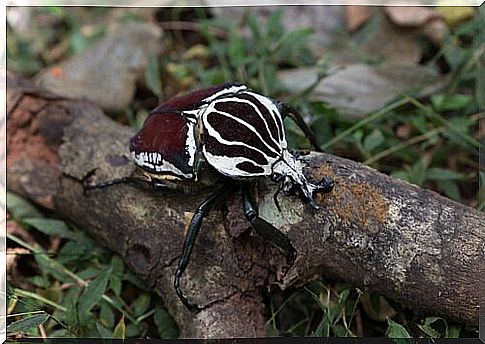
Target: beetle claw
{"x": 312, "y": 204}
{"x": 326, "y": 185}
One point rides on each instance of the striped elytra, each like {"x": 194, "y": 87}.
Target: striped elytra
{"x": 237, "y": 131}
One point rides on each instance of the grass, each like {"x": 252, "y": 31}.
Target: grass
{"x": 67, "y": 286}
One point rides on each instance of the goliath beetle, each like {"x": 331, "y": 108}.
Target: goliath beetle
{"x": 239, "y": 134}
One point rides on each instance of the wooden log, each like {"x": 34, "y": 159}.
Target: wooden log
{"x": 373, "y": 231}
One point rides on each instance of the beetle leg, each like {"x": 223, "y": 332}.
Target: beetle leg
{"x": 264, "y": 228}
{"x": 325, "y": 185}
{"x": 275, "y": 198}
{"x": 202, "y": 211}
{"x": 286, "y": 110}
{"x": 156, "y": 185}
{"x": 102, "y": 185}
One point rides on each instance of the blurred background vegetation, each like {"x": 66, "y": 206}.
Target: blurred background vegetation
{"x": 418, "y": 120}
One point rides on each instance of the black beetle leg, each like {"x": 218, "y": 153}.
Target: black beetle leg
{"x": 202, "y": 211}
{"x": 266, "y": 230}
{"x": 275, "y": 198}
{"x": 156, "y": 185}
{"x": 325, "y": 185}
{"x": 102, "y": 185}
{"x": 296, "y": 117}
{"x": 277, "y": 178}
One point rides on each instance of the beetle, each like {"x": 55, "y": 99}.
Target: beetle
{"x": 239, "y": 133}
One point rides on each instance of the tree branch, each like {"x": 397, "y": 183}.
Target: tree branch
{"x": 387, "y": 236}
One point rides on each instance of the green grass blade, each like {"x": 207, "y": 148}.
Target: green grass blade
{"x": 363, "y": 122}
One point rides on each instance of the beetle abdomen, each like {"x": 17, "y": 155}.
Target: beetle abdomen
{"x": 242, "y": 134}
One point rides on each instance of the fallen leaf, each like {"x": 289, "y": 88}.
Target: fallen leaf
{"x": 13, "y": 255}
{"x": 410, "y": 15}
{"x": 425, "y": 20}
{"x": 388, "y": 42}
{"x": 454, "y": 15}
{"x": 378, "y": 41}
{"x": 15, "y": 229}
{"x": 356, "y": 16}
{"x": 359, "y": 89}
{"x": 435, "y": 31}
{"x": 106, "y": 72}
{"x": 392, "y": 44}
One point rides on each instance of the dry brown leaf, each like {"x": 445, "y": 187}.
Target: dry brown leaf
{"x": 15, "y": 229}
{"x": 359, "y": 89}
{"x": 426, "y": 20}
{"x": 13, "y": 255}
{"x": 435, "y": 30}
{"x": 356, "y": 16}
{"x": 106, "y": 72}
{"x": 392, "y": 44}
{"x": 411, "y": 16}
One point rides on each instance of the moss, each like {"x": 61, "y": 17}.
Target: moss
{"x": 290, "y": 211}
{"x": 355, "y": 202}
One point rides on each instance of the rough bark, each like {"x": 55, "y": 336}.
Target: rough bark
{"x": 387, "y": 236}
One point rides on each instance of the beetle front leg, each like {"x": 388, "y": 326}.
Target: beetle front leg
{"x": 265, "y": 229}
{"x": 325, "y": 185}
{"x": 194, "y": 228}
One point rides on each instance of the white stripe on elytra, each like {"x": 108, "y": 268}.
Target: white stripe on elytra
{"x": 232, "y": 89}
{"x": 212, "y": 132}
{"x": 245, "y": 101}
{"x": 227, "y": 165}
{"x": 215, "y": 134}
{"x": 267, "y": 102}
{"x": 243, "y": 89}
{"x": 246, "y": 124}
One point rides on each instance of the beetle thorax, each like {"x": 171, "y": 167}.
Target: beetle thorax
{"x": 288, "y": 171}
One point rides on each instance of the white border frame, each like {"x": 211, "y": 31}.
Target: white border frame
{"x": 159, "y": 3}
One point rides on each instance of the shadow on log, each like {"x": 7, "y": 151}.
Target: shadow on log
{"x": 387, "y": 236}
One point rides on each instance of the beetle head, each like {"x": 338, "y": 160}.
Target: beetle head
{"x": 288, "y": 172}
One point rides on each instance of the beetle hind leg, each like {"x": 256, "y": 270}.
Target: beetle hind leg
{"x": 193, "y": 230}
